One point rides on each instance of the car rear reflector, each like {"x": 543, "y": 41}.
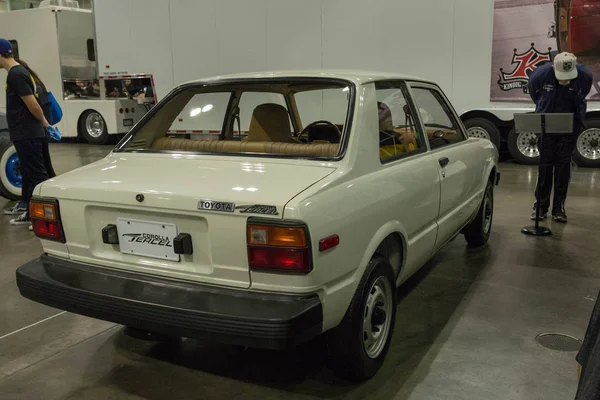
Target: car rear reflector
{"x": 329, "y": 243}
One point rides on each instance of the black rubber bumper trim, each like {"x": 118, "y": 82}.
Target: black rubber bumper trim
{"x": 239, "y": 317}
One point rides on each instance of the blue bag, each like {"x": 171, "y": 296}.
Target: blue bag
{"x": 54, "y": 133}
{"x": 56, "y": 112}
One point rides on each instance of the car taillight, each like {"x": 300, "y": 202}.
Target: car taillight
{"x": 282, "y": 247}
{"x": 45, "y": 219}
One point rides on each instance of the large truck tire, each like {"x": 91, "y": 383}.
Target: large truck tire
{"x": 10, "y": 176}
{"x": 523, "y": 147}
{"x": 587, "y": 147}
{"x": 483, "y": 128}
{"x": 92, "y": 127}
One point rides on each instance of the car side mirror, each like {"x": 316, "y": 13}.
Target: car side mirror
{"x": 438, "y": 134}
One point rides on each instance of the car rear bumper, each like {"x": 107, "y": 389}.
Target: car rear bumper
{"x": 239, "y": 317}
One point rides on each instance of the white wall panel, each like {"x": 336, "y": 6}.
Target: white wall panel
{"x": 134, "y": 37}
{"x": 194, "y": 39}
{"x": 150, "y": 42}
{"x": 402, "y": 36}
{"x": 113, "y": 24}
{"x": 472, "y": 54}
{"x": 293, "y": 37}
{"x": 240, "y": 35}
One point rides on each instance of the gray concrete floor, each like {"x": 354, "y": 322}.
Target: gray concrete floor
{"x": 466, "y": 327}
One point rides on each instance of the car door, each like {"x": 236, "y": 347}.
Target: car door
{"x": 408, "y": 172}
{"x": 458, "y": 160}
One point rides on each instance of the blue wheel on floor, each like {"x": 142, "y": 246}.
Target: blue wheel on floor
{"x": 11, "y": 180}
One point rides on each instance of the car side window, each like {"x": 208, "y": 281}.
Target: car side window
{"x": 398, "y": 134}
{"x": 440, "y": 124}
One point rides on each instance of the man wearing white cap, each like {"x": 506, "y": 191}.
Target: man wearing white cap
{"x": 559, "y": 87}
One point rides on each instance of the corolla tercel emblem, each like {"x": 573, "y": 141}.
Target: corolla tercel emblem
{"x": 209, "y": 205}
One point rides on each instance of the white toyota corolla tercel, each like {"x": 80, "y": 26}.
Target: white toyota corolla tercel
{"x": 264, "y": 210}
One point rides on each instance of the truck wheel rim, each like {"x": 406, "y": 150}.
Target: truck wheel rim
{"x": 588, "y": 144}
{"x": 478, "y": 132}
{"x": 10, "y": 172}
{"x": 377, "y": 317}
{"x": 527, "y": 145}
{"x": 94, "y": 125}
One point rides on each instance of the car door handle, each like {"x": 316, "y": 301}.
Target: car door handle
{"x": 444, "y": 161}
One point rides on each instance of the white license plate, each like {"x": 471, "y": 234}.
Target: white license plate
{"x": 147, "y": 239}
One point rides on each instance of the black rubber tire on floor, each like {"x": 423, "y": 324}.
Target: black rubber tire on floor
{"x": 516, "y": 154}
{"x": 486, "y": 125}
{"x": 6, "y": 144}
{"x": 579, "y": 159}
{"x": 346, "y": 355}
{"x": 474, "y": 233}
{"x": 83, "y": 133}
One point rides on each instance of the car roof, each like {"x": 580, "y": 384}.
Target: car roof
{"x": 356, "y": 76}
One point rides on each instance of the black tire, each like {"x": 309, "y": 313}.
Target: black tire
{"x": 481, "y": 127}
{"x": 477, "y": 233}
{"x": 346, "y": 353}
{"x": 518, "y": 155}
{"x": 587, "y": 146}
{"x": 6, "y": 146}
{"x": 84, "y": 127}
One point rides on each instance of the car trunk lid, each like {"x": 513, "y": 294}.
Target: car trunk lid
{"x": 150, "y": 198}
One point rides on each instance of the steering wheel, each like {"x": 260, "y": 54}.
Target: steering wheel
{"x": 321, "y": 122}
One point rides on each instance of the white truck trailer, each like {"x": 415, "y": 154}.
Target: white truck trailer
{"x": 60, "y": 44}
{"x": 450, "y": 41}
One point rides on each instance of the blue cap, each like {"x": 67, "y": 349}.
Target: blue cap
{"x": 5, "y": 47}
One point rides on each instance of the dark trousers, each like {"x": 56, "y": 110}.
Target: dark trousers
{"x": 31, "y": 159}
{"x": 47, "y": 160}
{"x": 555, "y": 170}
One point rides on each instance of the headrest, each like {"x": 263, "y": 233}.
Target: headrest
{"x": 270, "y": 122}
{"x": 385, "y": 117}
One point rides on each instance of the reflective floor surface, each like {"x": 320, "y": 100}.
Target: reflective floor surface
{"x": 466, "y": 324}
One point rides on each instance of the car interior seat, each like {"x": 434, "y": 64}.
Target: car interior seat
{"x": 386, "y": 125}
{"x": 270, "y": 123}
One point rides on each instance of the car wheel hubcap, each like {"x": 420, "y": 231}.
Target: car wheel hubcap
{"x": 478, "y": 132}
{"x": 588, "y": 144}
{"x": 488, "y": 211}
{"x": 13, "y": 171}
{"x": 377, "y": 317}
{"x": 527, "y": 143}
{"x": 94, "y": 125}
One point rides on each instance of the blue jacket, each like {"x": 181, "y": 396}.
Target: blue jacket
{"x": 542, "y": 89}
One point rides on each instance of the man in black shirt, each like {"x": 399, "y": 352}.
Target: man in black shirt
{"x": 26, "y": 125}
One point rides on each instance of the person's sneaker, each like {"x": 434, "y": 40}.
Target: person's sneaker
{"x": 31, "y": 228}
{"x": 22, "y": 219}
{"x": 18, "y": 209}
{"x": 559, "y": 217}
{"x": 543, "y": 216}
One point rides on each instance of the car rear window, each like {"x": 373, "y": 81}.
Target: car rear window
{"x": 278, "y": 118}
